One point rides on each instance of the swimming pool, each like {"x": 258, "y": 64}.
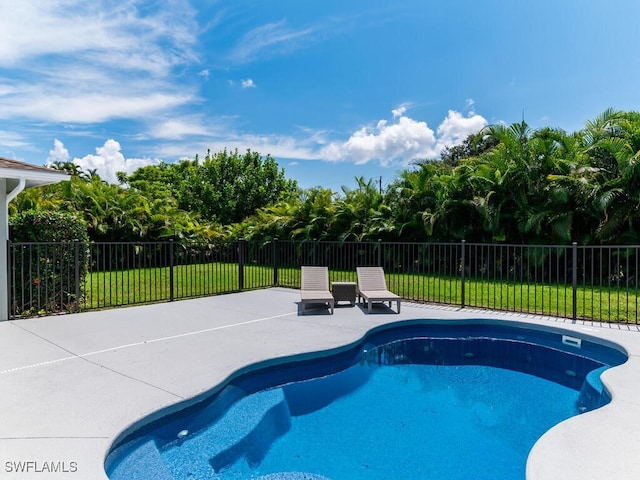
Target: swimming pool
{"x": 244, "y": 430}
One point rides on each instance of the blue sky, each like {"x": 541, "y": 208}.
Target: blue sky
{"x": 331, "y": 89}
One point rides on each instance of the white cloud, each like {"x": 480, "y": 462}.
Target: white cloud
{"x": 398, "y": 142}
{"x": 110, "y": 33}
{"x": 455, "y": 128}
{"x": 248, "y": 83}
{"x": 176, "y": 129}
{"x": 107, "y": 161}
{"x": 58, "y": 154}
{"x": 403, "y": 141}
{"x": 78, "y": 61}
{"x": 398, "y": 112}
{"x": 270, "y": 39}
{"x": 89, "y": 107}
{"x": 389, "y": 142}
{"x": 6, "y": 89}
{"x": 278, "y": 38}
{"x": 278, "y": 146}
{"x": 12, "y": 140}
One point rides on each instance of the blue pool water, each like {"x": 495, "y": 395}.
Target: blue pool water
{"x": 420, "y": 402}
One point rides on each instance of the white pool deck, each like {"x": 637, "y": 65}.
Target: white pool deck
{"x": 70, "y": 385}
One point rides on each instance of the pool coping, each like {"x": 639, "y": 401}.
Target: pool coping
{"x": 73, "y": 384}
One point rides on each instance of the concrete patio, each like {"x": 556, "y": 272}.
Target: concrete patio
{"x": 70, "y": 385}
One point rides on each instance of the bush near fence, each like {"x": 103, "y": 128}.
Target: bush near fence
{"x": 47, "y": 277}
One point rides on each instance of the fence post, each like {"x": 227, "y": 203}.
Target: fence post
{"x": 462, "y": 275}
{"x": 10, "y": 277}
{"x": 241, "y": 242}
{"x": 380, "y": 252}
{"x": 276, "y": 256}
{"x": 76, "y": 262}
{"x": 314, "y": 257}
{"x": 171, "y": 279}
{"x": 574, "y": 279}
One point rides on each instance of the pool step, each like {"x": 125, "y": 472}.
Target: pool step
{"x": 315, "y": 394}
{"x": 593, "y": 394}
{"x": 246, "y": 430}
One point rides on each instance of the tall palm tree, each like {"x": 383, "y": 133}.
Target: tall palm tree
{"x": 613, "y": 143}
{"x": 362, "y": 213}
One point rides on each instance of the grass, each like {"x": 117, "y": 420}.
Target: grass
{"x": 118, "y": 288}
{"x": 606, "y": 304}
{"x": 148, "y": 285}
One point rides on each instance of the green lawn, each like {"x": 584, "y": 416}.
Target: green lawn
{"x": 117, "y": 288}
{"x": 126, "y": 287}
{"x": 607, "y": 304}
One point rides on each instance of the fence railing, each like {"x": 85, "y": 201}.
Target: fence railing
{"x": 593, "y": 283}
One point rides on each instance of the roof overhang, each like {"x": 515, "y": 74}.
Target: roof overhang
{"x": 20, "y": 175}
{"x": 31, "y": 178}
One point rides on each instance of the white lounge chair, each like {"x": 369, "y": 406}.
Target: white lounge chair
{"x": 315, "y": 287}
{"x": 372, "y": 287}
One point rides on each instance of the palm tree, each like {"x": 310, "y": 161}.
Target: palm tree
{"x": 613, "y": 142}
{"x": 412, "y": 199}
{"x": 522, "y": 204}
{"x": 362, "y": 214}
{"x": 304, "y": 216}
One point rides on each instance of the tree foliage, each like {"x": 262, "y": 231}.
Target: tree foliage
{"x": 225, "y": 187}
{"x": 114, "y": 213}
{"x": 505, "y": 183}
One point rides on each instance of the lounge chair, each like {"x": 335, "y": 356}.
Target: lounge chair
{"x": 315, "y": 287}
{"x": 372, "y": 287}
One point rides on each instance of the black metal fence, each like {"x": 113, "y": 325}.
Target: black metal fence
{"x": 593, "y": 283}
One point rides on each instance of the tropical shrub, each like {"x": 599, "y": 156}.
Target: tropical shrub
{"x": 48, "y": 275}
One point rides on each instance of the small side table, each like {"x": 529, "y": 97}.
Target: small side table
{"x": 344, "y": 292}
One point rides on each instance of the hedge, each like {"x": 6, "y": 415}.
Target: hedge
{"x": 47, "y": 276}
